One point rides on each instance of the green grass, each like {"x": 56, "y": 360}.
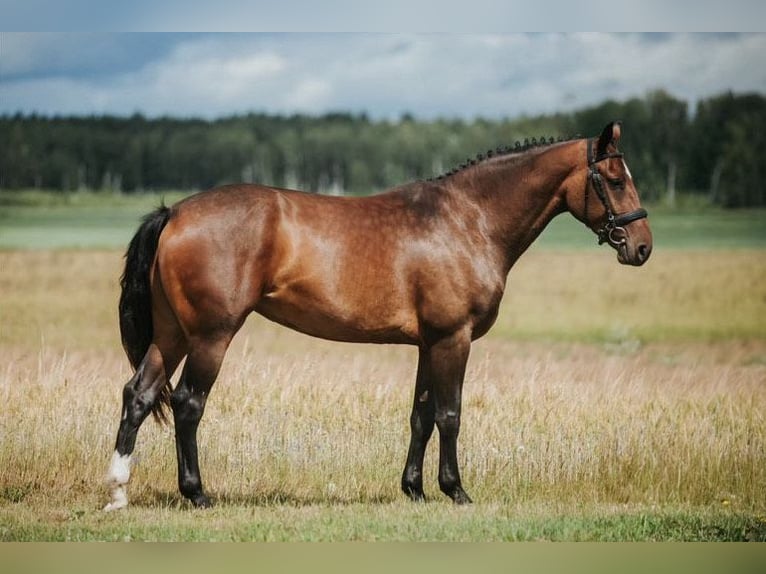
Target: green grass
{"x": 402, "y": 521}
{"x": 41, "y": 220}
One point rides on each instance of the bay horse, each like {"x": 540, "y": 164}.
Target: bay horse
{"x": 423, "y": 264}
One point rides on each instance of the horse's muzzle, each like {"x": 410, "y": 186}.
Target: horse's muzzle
{"x": 636, "y": 256}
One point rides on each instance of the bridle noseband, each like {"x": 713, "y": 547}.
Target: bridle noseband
{"x": 613, "y": 231}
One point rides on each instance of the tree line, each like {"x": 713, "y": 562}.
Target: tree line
{"x": 717, "y": 150}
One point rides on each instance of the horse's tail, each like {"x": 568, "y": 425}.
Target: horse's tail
{"x": 135, "y": 307}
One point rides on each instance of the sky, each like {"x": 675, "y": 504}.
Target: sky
{"x": 383, "y": 75}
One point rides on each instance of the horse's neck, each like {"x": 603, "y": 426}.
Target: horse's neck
{"x": 520, "y": 195}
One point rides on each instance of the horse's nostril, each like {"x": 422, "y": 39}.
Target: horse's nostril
{"x": 643, "y": 252}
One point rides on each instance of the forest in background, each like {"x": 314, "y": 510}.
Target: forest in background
{"x": 714, "y": 149}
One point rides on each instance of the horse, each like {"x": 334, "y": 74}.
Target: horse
{"x": 422, "y": 264}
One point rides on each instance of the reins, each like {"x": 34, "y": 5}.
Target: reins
{"x": 613, "y": 231}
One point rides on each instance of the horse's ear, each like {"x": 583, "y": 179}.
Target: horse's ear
{"x": 610, "y": 135}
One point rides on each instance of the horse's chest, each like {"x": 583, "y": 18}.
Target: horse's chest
{"x": 450, "y": 305}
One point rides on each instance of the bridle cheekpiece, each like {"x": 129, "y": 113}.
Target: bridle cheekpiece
{"x": 613, "y": 231}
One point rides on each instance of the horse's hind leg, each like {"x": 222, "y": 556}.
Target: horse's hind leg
{"x": 188, "y": 402}
{"x": 139, "y": 397}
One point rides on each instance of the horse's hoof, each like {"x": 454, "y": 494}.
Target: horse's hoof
{"x": 460, "y": 497}
{"x": 119, "y": 498}
{"x": 417, "y": 496}
{"x": 201, "y": 501}
{"x": 413, "y": 492}
{"x": 115, "y": 505}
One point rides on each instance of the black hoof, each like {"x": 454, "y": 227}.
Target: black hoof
{"x": 415, "y": 495}
{"x": 200, "y": 501}
{"x": 414, "y": 490}
{"x": 462, "y": 498}
{"x": 459, "y": 496}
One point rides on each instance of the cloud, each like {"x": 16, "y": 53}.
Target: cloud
{"x": 384, "y": 75}
{"x": 201, "y": 74}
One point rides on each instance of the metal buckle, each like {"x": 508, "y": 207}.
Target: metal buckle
{"x": 623, "y": 236}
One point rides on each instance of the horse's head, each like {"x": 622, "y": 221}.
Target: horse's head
{"x": 608, "y": 202}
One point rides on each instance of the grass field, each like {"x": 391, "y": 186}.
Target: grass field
{"x": 608, "y": 403}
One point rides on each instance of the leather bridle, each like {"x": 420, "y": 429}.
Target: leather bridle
{"x": 613, "y": 231}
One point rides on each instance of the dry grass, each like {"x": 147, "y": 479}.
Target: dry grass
{"x": 559, "y": 422}
{"x": 550, "y": 428}
{"x": 677, "y": 295}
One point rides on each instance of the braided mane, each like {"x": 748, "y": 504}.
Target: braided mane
{"x": 517, "y": 148}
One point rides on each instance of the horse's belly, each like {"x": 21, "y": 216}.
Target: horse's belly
{"x": 337, "y": 323}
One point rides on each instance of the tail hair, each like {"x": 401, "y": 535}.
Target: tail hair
{"x": 135, "y": 308}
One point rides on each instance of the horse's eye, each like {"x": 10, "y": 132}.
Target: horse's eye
{"x": 617, "y": 183}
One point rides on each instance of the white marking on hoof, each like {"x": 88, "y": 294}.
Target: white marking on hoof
{"x": 119, "y": 499}
{"x": 117, "y": 478}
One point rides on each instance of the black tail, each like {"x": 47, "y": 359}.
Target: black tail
{"x": 136, "y": 299}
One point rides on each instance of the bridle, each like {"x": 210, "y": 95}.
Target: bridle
{"x": 613, "y": 231}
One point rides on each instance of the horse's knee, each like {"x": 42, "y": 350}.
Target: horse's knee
{"x": 422, "y": 422}
{"x": 448, "y": 421}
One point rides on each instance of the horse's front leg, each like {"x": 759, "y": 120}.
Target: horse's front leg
{"x": 421, "y": 427}
{"x": 448, "y": 358}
